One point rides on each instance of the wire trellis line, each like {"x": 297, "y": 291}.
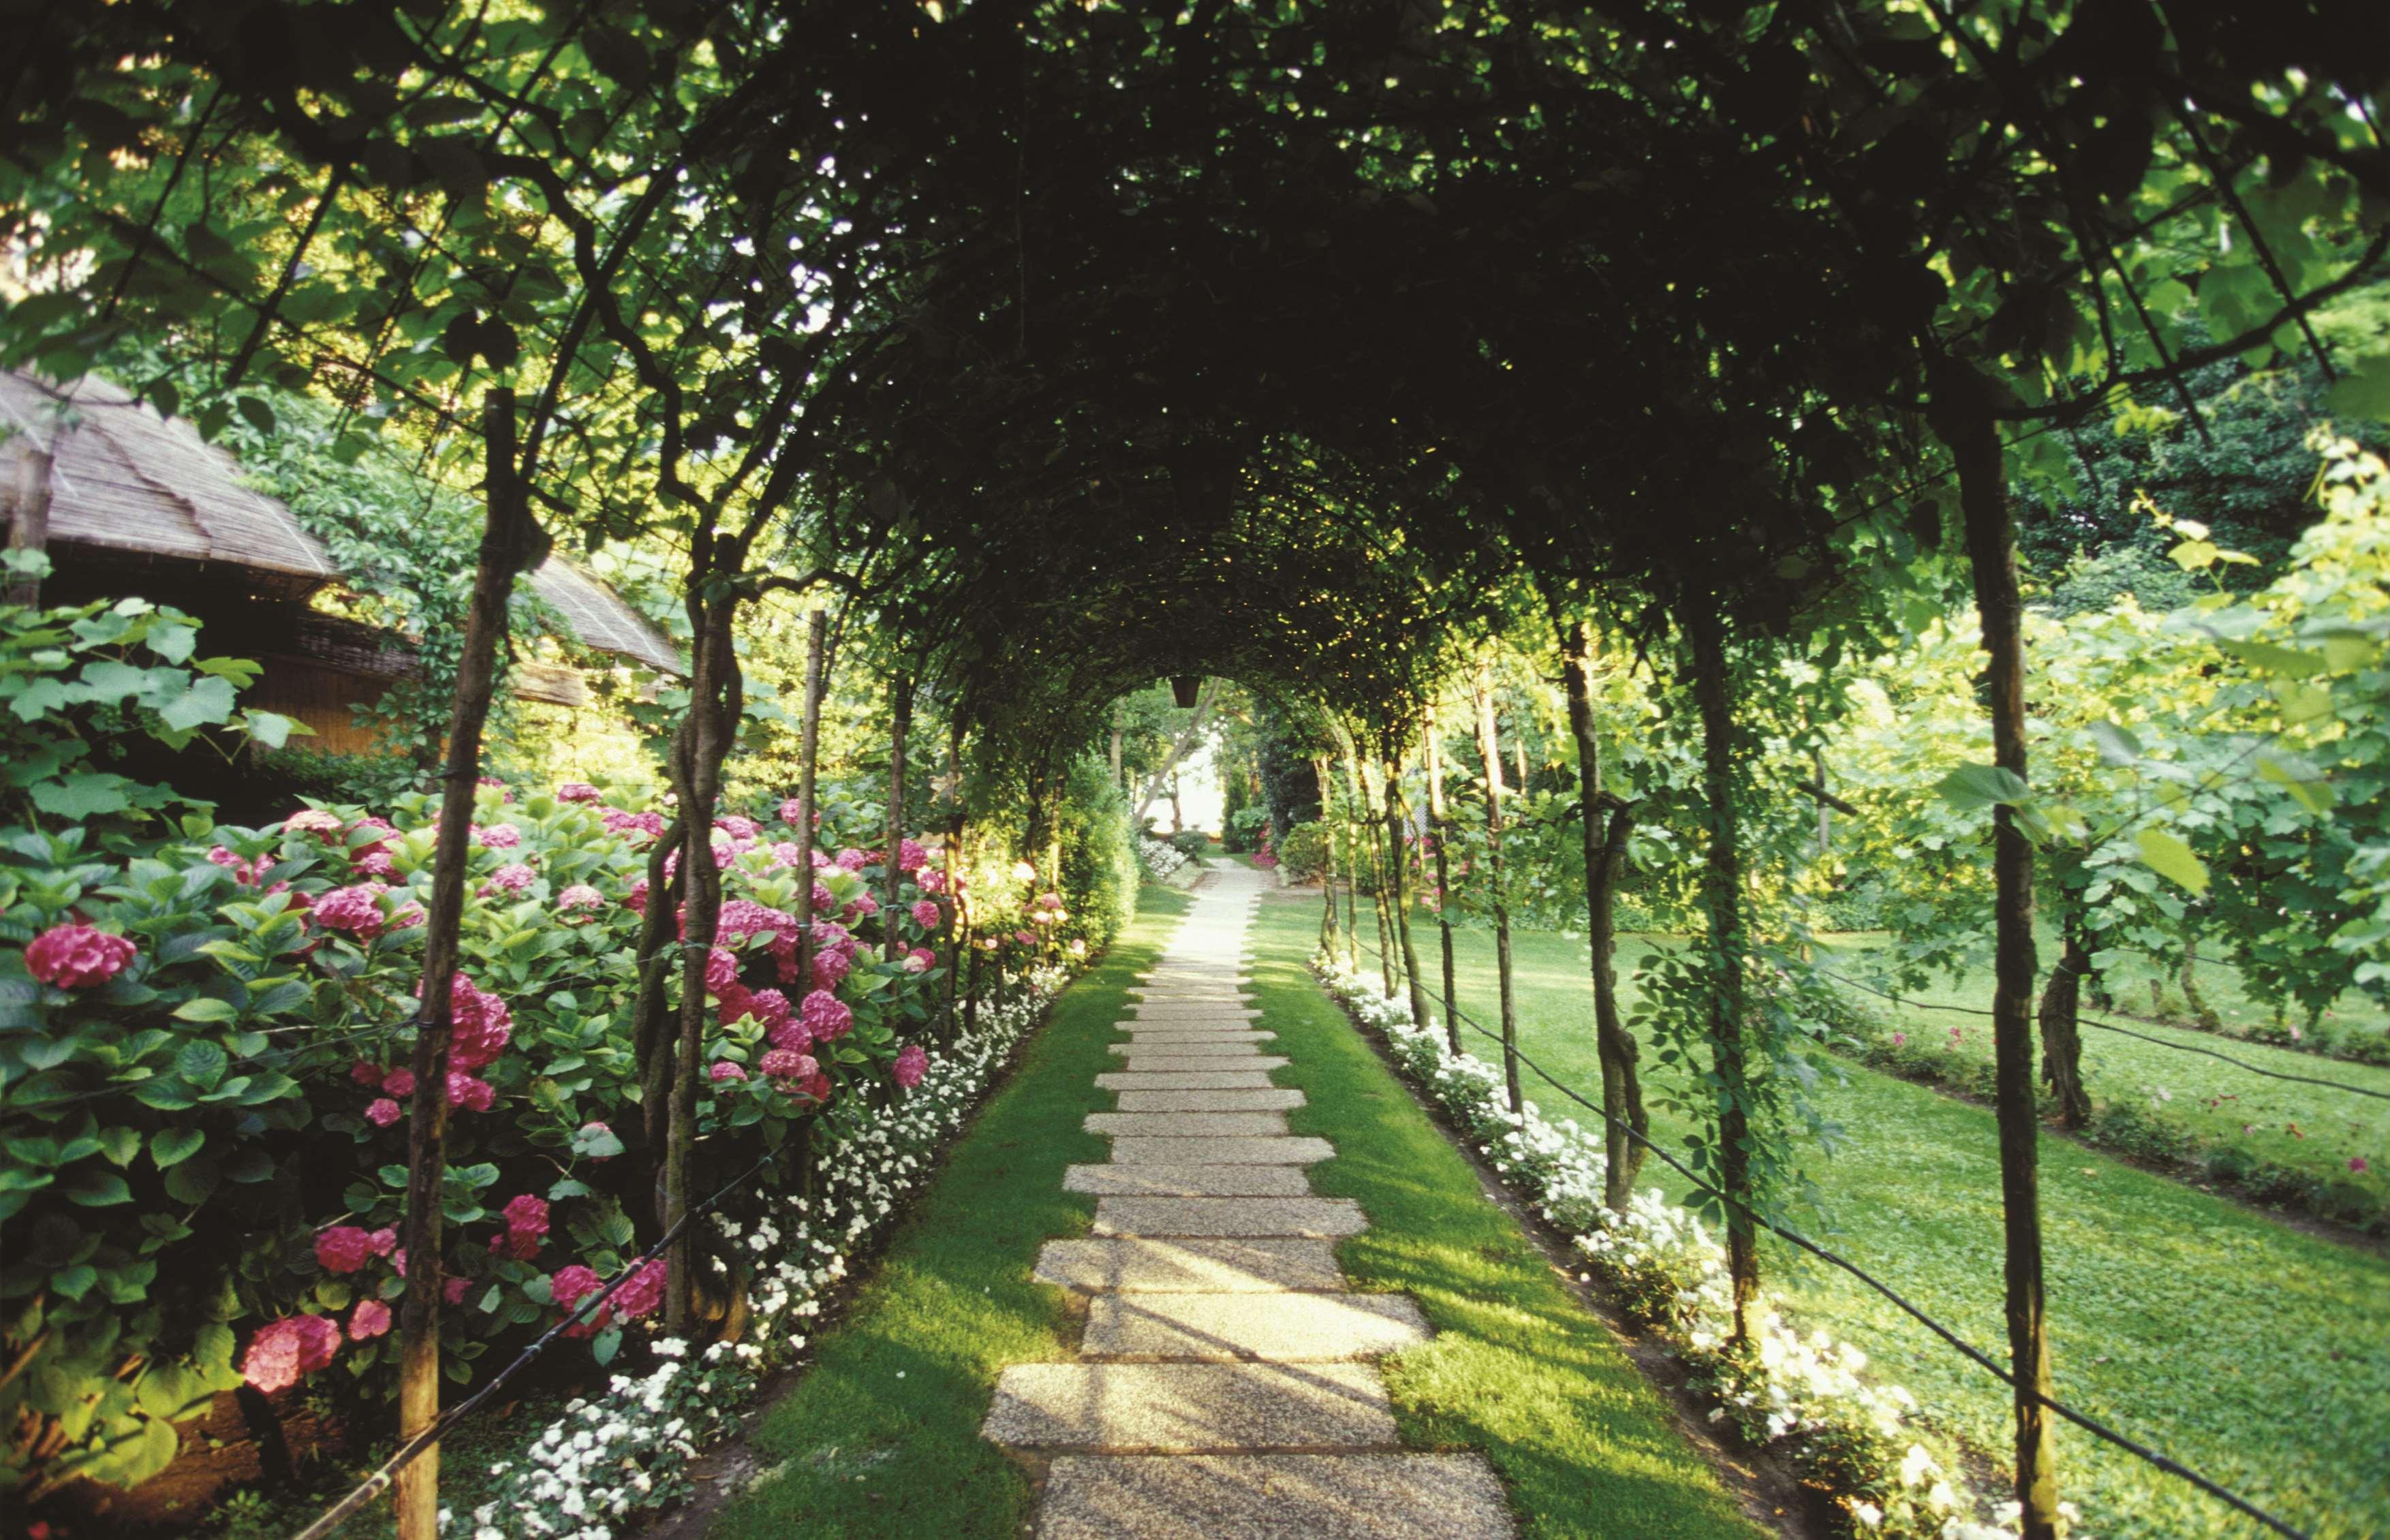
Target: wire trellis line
{"x": 2160, "y": 1461}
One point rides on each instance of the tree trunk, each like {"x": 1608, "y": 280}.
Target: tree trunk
{"x": 707, "y": 733}
{"x": 29, "y": 522}
{"x": 511, "y": 540}
{"x": 1489, "y": 751}
{"x": 1722, "y": 895}
{"x": 1960, "y": 413}
{"x": 1439, "y": 818}
{"x": 1328, "y": 875}
{"x": 1605, "y": 856}
{"x": 1398, "y": 901}
{"x": 808, "y": 765}
{"x": 954, "y": 937}
{"x": 1372, "y": 832}
{"x": 2201, "y": 1011}
{"x": 2062, "y": 1041}
{"x": 1180, "y": 748}
{"x": 900, "y": 728}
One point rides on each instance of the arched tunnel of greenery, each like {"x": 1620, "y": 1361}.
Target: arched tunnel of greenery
{"x": 1665, "y": 380}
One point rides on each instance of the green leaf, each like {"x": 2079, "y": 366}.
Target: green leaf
{"x": 85, "y": 794}
{"x": 1972, "y": 787}
{"x": 172, "y": 1147}
{"x": 2364, "y": 391}
{"x": 193, "y": 1180}
{"x": 202, "y": 1063}
{"x": 205, "y": 1008}
{"x": 208, "y": 701}
{"x": 2170, "y": 858}
{"x": 2269, "y": 658}
{"x": 98, "y": 1189}
{"x": 2117, "y": 744}
{"x": 255, "y": 412}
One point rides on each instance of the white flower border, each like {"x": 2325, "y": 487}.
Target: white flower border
{"x": 1801, "y": 1393}
{"x": 629, "y": 1448}
{"x": 1160, "y": 857}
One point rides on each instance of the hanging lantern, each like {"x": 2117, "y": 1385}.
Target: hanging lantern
{"x": 1184, "y": 689}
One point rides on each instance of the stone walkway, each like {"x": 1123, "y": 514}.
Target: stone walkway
{"x": 1225, "y": 1387}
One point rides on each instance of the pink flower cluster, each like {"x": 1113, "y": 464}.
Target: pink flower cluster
{"x": 910, "y": 857}
{"x": 243, "y": 871}
{"x": 851, "y": 859}
{"x": 287, "y": 1350}
{"x": 912, "y": 1063}
{"x": 926, "y": 915}
{"x": 737, "y": 826}
{"x": 578, "y": 791}
{"x": 526, "y": 1227}
{"x": 73, "y": 957}
{"x": 512, "y": 877}
{"x": 635, "y": 826}
{"x": 578, "y": 898}
{"x": 482, "y": 1026}
{"x": 356, "y": 910}
{"x": 346, "y": 1247}
{"x": 826, "y": 1017}
{"x": 314, "y": 820}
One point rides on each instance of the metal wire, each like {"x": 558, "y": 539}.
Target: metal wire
{"x": 2097, "y": 1430}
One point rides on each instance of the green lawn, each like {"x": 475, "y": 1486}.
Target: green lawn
{"x": 2309, "y": 1129}
{"x": 1518, "y": 1369}
{"x": 881, "y": 1436}
{"x": 2254, "y": 1352}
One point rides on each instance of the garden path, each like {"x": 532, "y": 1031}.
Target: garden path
{"x": 1226, "y": 1385}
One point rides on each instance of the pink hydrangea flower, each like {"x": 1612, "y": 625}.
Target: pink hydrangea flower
{"x": 375, "y": 861}
{"x": 356, "y": 910}
{"x": 578, "y": 791}
{"x": 243, "y": 872}
{"x": 285, "y": 1351}
{"x": 400, "y": 1083}
{"x": 475, "y": 1096}
{"x": 638, "y": 827}
{"x": 791, "y": 812}
{"x": 912, "y": 1063}
{"x": 819, "y": 1086}
{"x": 384, "y": 1240}
{"x": 482, "y": 1026}
{"x": 742, "y": 918}
{"x": 512, "y": 877}
{"x": 382, "y": 1111}
{"x": 825, "y": 1016}
{"x": 313, "y": 820}
{"x": 343, "y": 1248}
{"x": 634, "y": 898}
{"x": 769, "y": 1006}
{"x": 790, "y": 1033}
{"x": 926, "y": 915}
{"x": 527, "y": 1213}
{"x": 736, "y": 824}
{"x": 1024, "y": 938}
{"x": 365, "y": 1071}
{"x": 501, "y": 836}
{"x": 409, "y": 916}
{"x": 932, "y": 881}
{"x": 724, "y": 1069}
{"x": 852, "y": 859}
{"x": 578, "y": 897}
{"x": 910, "y": 857}
{"x": 920, "y": 960}
{"x": 567, "y": 1287}
{"x": 721, "y": 971}
{"x": 73, "y": 956}
{"x": 641, "y": 1292}
{"x": 824, "y": 900}
{"x": 1049, "y": 901}
{"x": 368, "y": 1321}
{"x": 452, "y": 1289}
{"x": 864, "y": 907}
{"x": 788, "y": 1064}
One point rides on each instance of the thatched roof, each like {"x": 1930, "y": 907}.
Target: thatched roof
{"x": 124, "y": 479}
{"x": 127, "y": 481}
{"x": 601, "y": 620}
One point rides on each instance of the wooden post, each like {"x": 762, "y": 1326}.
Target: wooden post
{"x": 1605, "y": 856}
{"x": 1962, "y": 416}
{"x": 1489, "y": 751}
{"x": 900, "y": 728}
{"x": 1362, "y": 799}
{"x": 1439, "y": 822}
{"x": 511, "y": 540}
{"x": 29, "y": 524}
{"x": 1722, "y": 896}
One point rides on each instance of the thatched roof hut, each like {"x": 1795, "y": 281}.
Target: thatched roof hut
{"x": 140, "y": 504}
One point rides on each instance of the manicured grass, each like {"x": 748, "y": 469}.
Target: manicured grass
{"x": 1519, "y": 1370}
{"x": 2256, "y": 1353}
{"x": 881, "y": 1436}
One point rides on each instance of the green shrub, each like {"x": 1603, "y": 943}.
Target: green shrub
{"x": 1304, "y": 851}
{"x": 1192, "y": 842}
{"x": 1244, "y": 832}
{"x": 1099, "y": 867}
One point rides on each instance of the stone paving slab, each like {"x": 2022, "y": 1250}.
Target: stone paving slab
{"x": 1135, "y": 1407}
{"x": 1195, "y": 1032}
{"x": 1191, "y": 1010}
{"x": 1229, "y": 1216}
{"x": 1189, "y": 1181}
{"x": 1356, "y": 1497}
{"x": 1188, "y": 1125}
{"x": 1282, "y": 1328}
{"x": 1139, "y": 1151}
{"x": 1155, "y": 1064}
{"x": 1193, "y": 1264}
{"x": 1184, "y": 1080}
{"x": 1278, "y": 1098}
{"x": 1217, "y": 1048}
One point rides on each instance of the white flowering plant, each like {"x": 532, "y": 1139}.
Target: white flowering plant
{"x": 1809, "y": 1396}
{"x": 628, "y": 1449}
{"x": 1159, "y": 857}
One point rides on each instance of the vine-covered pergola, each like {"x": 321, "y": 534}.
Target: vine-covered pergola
{"x": 1300, "y": 344}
